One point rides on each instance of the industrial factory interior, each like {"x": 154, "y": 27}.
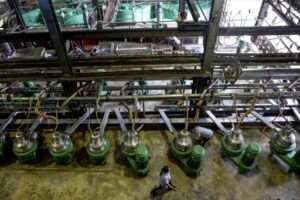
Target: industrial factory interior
{"x": 149, "y": 99}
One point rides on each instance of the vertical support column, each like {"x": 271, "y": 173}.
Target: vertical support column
{"x": 14, "y": 5}
{"x": 85, "y": 13}
{"x": 56, "y": 36}
{"x": 58, "y": 42}
{"x": 261, "y": 15}
{"x": 285, "y": 11}
{"x": 193, "y": 9}
{"x": 209, "y": 41}
{"x": 98, "y": 9}
{"x": 109, "y": 12}
{"x": 212, "y": 33}
{"x": 115, "y": 11}
{"x": 181, "y": 5}
{"x": 159, "y": 14}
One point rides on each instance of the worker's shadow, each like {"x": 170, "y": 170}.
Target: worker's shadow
{"x": 159, "y": 195}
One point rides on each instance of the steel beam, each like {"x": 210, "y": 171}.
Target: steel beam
{"x": 55, "y": 34}
{"x": 188, "y": 74}
{"x": 9, "y": 119}
{"x": 192, "y": 30}
{"x": 30, "y": 133}
{"x": 193, "y": 9}
{"x": 27, "y": 91}
{"x": 132, "y": 98}
{"x": 212, "y": 33}
{"x": 14, "y": 5}
{"x": 97, "y": 7}
{"x": 108, "y": 12}
{"x": 288, "y": 16}
{"x": 71, "y": 129}
{"x": 118, "y": 75}
{"x": 121, "y": 121}
{"x": 148, "y": 61}
{"x": 167, "y": 121}
{"x": 265, "y": 121}
{"x": 104, "y": 122}
{"x": 158, "y": 122}
{"x": 218, "y": 123}
{"x": 181, "y": 7}
{"x": 295, "y": 4}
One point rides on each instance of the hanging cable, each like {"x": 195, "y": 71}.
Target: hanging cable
{"x": 99, "y": 88}
{"x": 28, "y": 114}
{"x": 43, "y": 115}
{"x": 38, "y": 105}
{"x": 64, "y": 104}
{"x": 135, "y": 112}
{"x": 201, "y": 99}
{"x": 89, "y": 122}
{"x": 122, "y": 92}
{"x": 255, "y": 100}
{"x": 236, "y": 111}
{"x": 186, "y": 126}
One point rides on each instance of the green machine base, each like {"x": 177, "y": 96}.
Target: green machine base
{"x": 243, "y": 157}
{"x": 138, "y": 159}
{"x": 29, "y": 156}
{"x": 191, "y": 159}
{"x": 64, "y": 157}
{"x": 99, "y": 158}
{"x": 290, "y": 156}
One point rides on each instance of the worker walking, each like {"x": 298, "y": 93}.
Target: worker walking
{"x": 165, "y": 183}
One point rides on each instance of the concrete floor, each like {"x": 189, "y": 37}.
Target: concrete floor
{"x": 218, "y": 180}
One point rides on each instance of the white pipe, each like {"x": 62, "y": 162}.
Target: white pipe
{"x": 203, "y": 132}
{"x": 285, "y": 168}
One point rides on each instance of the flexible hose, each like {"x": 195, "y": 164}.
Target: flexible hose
{"x": 27, "y": 117}
{"x": 130, "y": 115}
{"x": 43, "y": 115}
{"x": 89, "y": 124}
{"x": 64, "y": 104}
{"x": 253, "y": 103}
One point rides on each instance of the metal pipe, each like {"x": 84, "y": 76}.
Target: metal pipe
{"x": 296, "y": 112}
{"x": 157, "y": 121}
{"x": 184, "y": 29}
{"x": 121, "y": 121}
{"x": 167, "y": 121}
{"x": 151, "y": 74}
{"x": 283, "y": 166}
{"x": 148, "y": 61}
{"x": 266, "y": 122}
{"x": 30, "y": 132}
{"x": 7, "y": 87}
{"x": 218, "y": 123}
{"x": 104, "y": 122}
{"x": 218, "y": 96}
{"x": 148, "y": 87}
{"x": 8, "y": 48}
{"x": 71, "y": 129}
{"x": 8, "y": 121}
{"x": 203, "y": 132}
{"x": 63, "y": 105}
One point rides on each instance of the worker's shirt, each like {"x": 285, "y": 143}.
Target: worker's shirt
{"x": 165, "y": 179}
